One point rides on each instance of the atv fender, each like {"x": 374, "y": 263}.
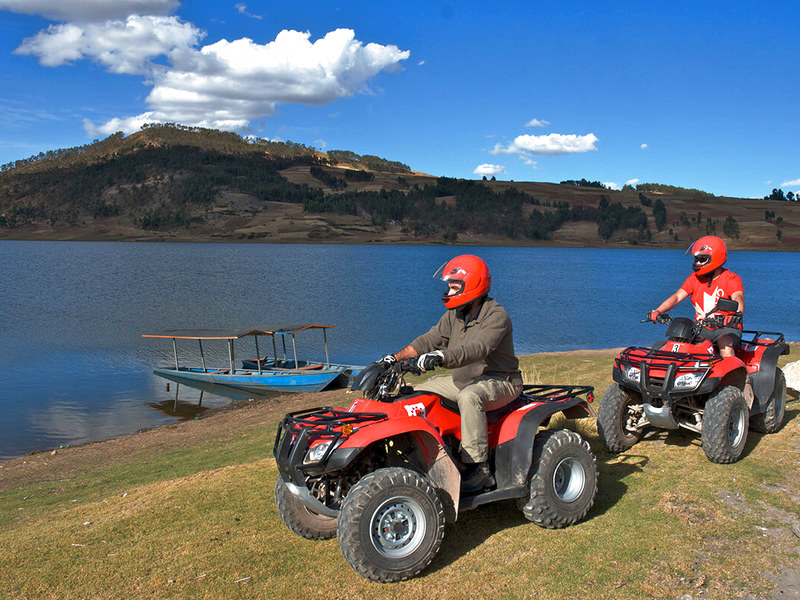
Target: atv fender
{"x": 763, "y": 380}
{"x": 514, "y": 451}
{"x": 430, "y": 455}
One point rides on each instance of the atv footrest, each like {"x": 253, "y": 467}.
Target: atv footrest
{"x": 465, "y": 503}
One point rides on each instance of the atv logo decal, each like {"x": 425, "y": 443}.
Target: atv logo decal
{"x": 415, "y": 410}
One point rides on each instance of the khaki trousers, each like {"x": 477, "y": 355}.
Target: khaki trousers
{"x": 484, "y": 394}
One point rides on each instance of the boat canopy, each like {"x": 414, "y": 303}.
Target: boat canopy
{"x": 235, "y": 334}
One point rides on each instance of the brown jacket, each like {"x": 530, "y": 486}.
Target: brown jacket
{"x": 484, "y": 346}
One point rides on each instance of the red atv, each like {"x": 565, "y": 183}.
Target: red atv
{"x": 682, "y": 382}
{"x": 381, "y": 474}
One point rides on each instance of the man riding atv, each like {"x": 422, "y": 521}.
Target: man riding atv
{"x": 706, "y": 285}
{"x": 474, "y": 339}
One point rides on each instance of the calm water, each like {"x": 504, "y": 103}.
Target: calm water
{"x": 74, "y": 367}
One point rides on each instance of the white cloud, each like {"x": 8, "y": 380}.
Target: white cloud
{"x": 121, "y": 46}
{"x": 85, "y": 11}
{"x": 644, "y": 146}
{"x": 633, "y": 181}
{"x": 553, "y": 144}
{"x": 223, "y": 85}
{"x": 536, "y": 123}
{"x": 242, "y": 8}
{"x": 611, "y": 185}
{"x": 791, "y": 183}
{"x": 488, "y": 170}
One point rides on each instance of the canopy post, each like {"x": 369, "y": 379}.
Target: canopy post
{"x": 283, "y": 341}
{"x": 325, "y": 337}
{"x": 230, "y": 355}
{"x": 274, "y": 348}
{"x": 175, "y": 350}
{"x": 202, "y": 356}
{"x": 294, "y": 351}
{"x": 258, "y": 356}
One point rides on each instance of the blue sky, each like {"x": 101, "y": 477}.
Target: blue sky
{"x": 694, "y": 94}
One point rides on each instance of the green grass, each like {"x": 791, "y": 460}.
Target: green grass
{"x": 196, "y": 519}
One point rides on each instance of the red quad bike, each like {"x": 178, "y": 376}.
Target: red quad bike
{"x": 381, "y": 474}
{"x": 682, "y": 382}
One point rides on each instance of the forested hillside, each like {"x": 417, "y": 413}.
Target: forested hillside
{"x": 180, "y": 183}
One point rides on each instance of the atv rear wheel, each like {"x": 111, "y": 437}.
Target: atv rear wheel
{"x": 391, "y": 524}
{"x": 725, "y": 423}
{"x": 771, "y": 419}
{"x": 619, "y": 411}
{"x": 563, "y": 483}
{"x": 301, "y": 520}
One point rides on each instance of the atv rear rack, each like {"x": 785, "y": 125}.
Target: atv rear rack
{"x": 557, "y": 393}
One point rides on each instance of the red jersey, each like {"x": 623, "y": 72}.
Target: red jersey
{"x": 704, "y": 296}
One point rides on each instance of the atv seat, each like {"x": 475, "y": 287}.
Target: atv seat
{"x": 495, "y": 415}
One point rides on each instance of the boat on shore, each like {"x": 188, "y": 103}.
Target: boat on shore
{"x": 280, "y": 372}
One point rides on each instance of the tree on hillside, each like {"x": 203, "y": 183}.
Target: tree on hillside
{"x": 660, "y": 214}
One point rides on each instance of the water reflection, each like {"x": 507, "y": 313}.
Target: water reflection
{"x": 190, "y": 400}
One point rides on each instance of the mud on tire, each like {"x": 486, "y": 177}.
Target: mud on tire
{"x": 725, "y": 423}
{"x": 300, "y": 519}
{"x": 771, "y": 419}
{"x": 618, "y": 409}
{"x": 391, "y": 524}
{"x": 563, "y": 481}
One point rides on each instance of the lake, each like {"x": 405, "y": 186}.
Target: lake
{"x": 75, "y": 368}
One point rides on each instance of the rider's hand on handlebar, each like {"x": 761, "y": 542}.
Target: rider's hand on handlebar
{"x": 430, "y": 360}
{"x": 388, "y": 360}
{"x": 409, "y": 365}
{"x": 732, "y": 320}
{"x": 652, "y": 316}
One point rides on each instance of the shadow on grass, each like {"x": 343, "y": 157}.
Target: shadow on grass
{"x": 474, "y": 527}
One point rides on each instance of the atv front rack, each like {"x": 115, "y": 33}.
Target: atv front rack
{"x": 299, "y": 430}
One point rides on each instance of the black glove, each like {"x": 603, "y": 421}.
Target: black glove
{"x": 733, "y": 320}
{"x": 430, "y": 360}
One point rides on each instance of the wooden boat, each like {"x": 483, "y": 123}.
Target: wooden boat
{"x": 275, "y": 374}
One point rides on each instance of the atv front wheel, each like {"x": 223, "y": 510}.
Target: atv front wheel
{"x": 391, "y": 524}
{"x": 301, "y": 520}
{"x": 563, "y": 483}
{"x": 725, "y": 421}
{"x": 772, "y": 418}
{"x": 619, "y": 413}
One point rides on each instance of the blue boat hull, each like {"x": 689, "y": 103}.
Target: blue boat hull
{"x": 270, "y": 381}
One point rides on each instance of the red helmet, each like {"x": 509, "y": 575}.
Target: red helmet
{"x": 709, "y": 253}
{"x": 472, "y": 277}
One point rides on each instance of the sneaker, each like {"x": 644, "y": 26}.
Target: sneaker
{"x": 477, "y": 478}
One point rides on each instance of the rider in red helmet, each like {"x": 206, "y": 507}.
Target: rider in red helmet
{"x": 709, "y": 282}
{"x": 473, "y": 339}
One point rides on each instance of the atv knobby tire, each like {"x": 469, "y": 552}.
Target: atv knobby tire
{"x": 563, "y": 480}
{"x": 725, "y": 422}
{"x": 391, "y": 524}
{"x": 300, "y": 519}
{"x": 771, "y": 419}
{"x": 619, "y": 408}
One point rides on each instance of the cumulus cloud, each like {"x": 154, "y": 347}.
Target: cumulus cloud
{"x": 791, "y": 183}
{"x": 610, "y": 185}
{"x": 488, "y": 170}
{"x": 86, "y": 11}
{"x": 633, "y": 181}
{"x": 536, "y": 123}
{"x": 553, "y": 144}
{"x": 223, "y": 85}
{"x": 228, "y": 84}
{"x": 644, "y": 146}
{"x": 121, "y": 46}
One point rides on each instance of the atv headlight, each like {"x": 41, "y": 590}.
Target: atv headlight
{"x": 317, "y": 453}
{"x": 633, "y": 374}
{"x": 688, "y": 381}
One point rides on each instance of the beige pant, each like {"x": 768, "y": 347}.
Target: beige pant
{"x": 484, "y": 394}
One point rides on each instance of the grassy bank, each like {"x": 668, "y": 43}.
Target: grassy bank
{"x": 186, "y": 511}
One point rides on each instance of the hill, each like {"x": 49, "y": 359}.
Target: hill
{"x": 169, "y": 182}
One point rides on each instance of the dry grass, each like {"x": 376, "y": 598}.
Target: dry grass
{"x": 187, "y": 512}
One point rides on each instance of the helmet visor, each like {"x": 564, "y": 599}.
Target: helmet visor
{"x": 453, "y": 281}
